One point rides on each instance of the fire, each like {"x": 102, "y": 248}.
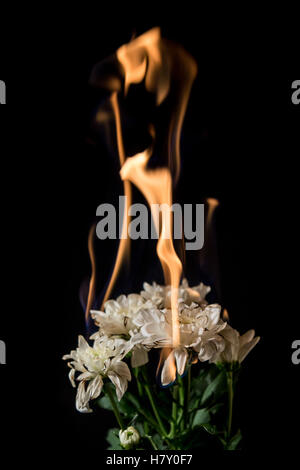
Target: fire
{"x": 91, "y": 292}
{"x": 156, "y": 186}
{"x": 225, "y": 315}
{"x": 208, "y": 257}
{"x": 124, "y": 246}
{"x": 169, "y": 372}
{"x": 212, "y": 205}
{"x": 168, "y": 72}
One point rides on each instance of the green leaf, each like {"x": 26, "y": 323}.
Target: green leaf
{"x": 201, "y": 417}
{"x": 104, "y": 402}
{"x": 159, "y": 442}
{"x": 235, "y": 440}
{"x": 140, "y": 429}
{"x": 113, "y": 439}
{"x": 130, "y": 397}
{"x": 214, "y": 409}
{"x": 215, "y": 388}
{"x": 126, "y": 408}
{"x": 138, "y": 407}
{"x": 210, "y": 428}
{"x": 193, "y": 404}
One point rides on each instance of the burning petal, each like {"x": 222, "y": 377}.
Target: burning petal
{"x": 168, "y": 373}
{"x": 181, "y": 356}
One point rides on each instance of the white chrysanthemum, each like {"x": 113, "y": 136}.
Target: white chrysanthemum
{"x": 118, "y": 320}
{"x": 156, "y": 332}
{"x": 160, "y": 296}
{"x": 103, "y": 359}
{"x": 198, "y": 330}
{"x": 237, "y": 346}
{"x": 210, "y": 343}
{"x": 194, "y": 294}
{"x": 154, "y": 293}
{"x": 118, "y": 315}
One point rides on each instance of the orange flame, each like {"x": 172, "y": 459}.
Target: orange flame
{"x": 124, "y": 245}
{"x": 164, "y": 66}
{"x": 92, "y": 283}
{"x": 168, "y": 71}
{"x": 225, "y": 315}
{"x": 212, "y": 205}
{"x": 168, "y": 372}
{"x": 156, "y": 186}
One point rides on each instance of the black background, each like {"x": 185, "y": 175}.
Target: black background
{"x": 240, "y": 144}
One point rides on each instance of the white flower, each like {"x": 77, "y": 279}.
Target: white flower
{"x": 198, "y": 330}
{"x": 194, "y": 294}
{"x": 154, "y": 293}
{"x": 129, "y": 438}
{"x": 156, "y": 332}
{"x": 236, "y": 347}
{"x": 118, "y": 319}
{"x": 210, "y": 346}
{"x": 103, "y": 359}
{"x": 160, "y": 296}
{"x": 139, "y": 355}
{"x": 210, "y": 343}
{"x": 118, "y": 315}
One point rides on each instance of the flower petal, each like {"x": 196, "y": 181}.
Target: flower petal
{"x": 139, "y": 357}
{"x": 246, "y": 337}
{"x": 82, "y": 404}
{"x": 181, "y": 356}
{"x": 119, "y": 382}
{"x": 168, "y": 373}
{"x": 95, "y": 387}
{"x": 244, "y": 351}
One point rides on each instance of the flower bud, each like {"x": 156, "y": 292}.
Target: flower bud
{"x": 129, "y": 438}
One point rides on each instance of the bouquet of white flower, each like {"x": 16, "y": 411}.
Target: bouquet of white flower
{"x": 162, "y": 413}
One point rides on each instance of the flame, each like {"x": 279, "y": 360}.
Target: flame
{"x": 166, "y": 367}
{"x": 124, "y": 245}
{"x": 142, "y": 58}
{"x": 225, "y": 315}
{"x": 212, "y": 205}
{"x": 208, "y": 257}
{"x": 156, "y": 186}
{"x": 92, "y": 283}
{"x": 168, "y": 72}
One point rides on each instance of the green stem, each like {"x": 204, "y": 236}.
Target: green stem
{"x": 139, "y": 385}
{"x": 152, "y": 402}
{"x": 230, "y": 402}
{"x": 152, "y": 442}
{"x": 181, "y": 417}
{"x": 114, "y": 407}
{"x": 189, "y": 384}
{"x": 174, "y": 411}
{"x": 188, "y": 393}
{"x": 140, "y": 393}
